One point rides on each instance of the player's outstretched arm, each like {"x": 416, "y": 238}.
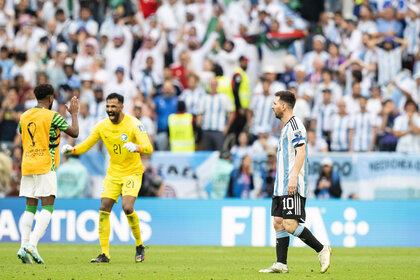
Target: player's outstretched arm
{"x": 84, "y": 146}
{"x": 73, "y": 130}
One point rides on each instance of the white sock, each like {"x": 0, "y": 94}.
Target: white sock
{"x": 40, "y": 226}
{"x": 25, "y": 226}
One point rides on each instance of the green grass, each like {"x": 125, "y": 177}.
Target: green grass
{"x": 188, "y": 262}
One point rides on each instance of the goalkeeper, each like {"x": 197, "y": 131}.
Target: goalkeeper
{"x": 125, "y": 139}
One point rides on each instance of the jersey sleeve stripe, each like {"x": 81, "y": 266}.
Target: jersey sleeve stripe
{"x": 293, "y": 123}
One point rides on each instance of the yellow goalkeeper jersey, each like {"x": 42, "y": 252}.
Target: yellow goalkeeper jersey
{"x": 122, "y": 162}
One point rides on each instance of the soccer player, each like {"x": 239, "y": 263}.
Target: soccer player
{"x": 125, "y": 139}
{"x": 290, "y": 187}
{"x": 40, "y": 129}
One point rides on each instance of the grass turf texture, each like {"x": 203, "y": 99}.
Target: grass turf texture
{"x": 190, "y": 262}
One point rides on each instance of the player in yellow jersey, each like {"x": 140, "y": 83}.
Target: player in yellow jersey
{"x": 40, "y": 128}
{"x": 125, "y": 139}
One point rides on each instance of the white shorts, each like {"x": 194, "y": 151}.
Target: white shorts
{"x": 35, "y": 186}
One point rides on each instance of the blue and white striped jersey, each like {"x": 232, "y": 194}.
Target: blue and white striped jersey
{"x": 192, "y": 99}
{"x": 322, "y": 114}
{"x": 389, "y": 64}
{"x": 215, "y": 109}
{"x": 293, "y": 135}
{"x": 409, "y": 143}
{"x": 262, "y": 114}
{"x": 340, "y": 126}
{"x": 363, "y": 124}
{"x": 411, "y": 35}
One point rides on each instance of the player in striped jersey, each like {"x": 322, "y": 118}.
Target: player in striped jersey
{"x": 363, "y": 129}
{"x": 290, "y": 187}
{"x": 340, "y": 125}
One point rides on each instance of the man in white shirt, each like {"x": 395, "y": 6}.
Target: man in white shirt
{"x": 352, "y": 101}
{"x": 124, "y": 86}
{"x": 407, "y": 129}
{"x": 118, "y": 53}
{"x": 318, "y": 50}
{"x": 353, "y": 42}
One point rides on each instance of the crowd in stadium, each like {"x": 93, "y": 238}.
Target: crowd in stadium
{"x": 355, "y": 70}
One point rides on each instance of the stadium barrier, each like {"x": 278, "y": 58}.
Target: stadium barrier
{"x": 227, "y": 222}
{"x": 370, "y": 175}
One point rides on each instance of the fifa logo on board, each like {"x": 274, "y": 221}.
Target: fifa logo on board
{"x": 350, "y": 227}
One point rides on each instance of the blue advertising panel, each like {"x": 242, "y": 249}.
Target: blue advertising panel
{"x": 225, "y": 222}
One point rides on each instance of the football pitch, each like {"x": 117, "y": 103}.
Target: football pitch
{"x": 194, "y": 262}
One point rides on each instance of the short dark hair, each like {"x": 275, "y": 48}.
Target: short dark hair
{"x": 43, "y": 90}
{"x": 288, "y": 97}
{"x": 327, "y": 70}
{"x": 181, "y": 106}
{"x": 116, "y": 96}
{"x": 411, "y": 102}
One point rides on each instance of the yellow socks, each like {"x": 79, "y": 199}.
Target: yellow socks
{"x": 133, "y": 221}
{"x": 104, "y": 230}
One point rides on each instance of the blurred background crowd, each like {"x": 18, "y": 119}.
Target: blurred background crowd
{"x": 201, "y": 76}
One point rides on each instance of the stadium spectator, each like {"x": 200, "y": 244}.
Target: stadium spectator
{"x": 318, "y": 45}
{"x": 165, "y": 105}
{"x": 328, "y": 183}
{"x": 352, "y": 100}
{"x": 192, "y": 94}
{"x": 152, "y": 184}
{"x": 386, "y": 138}
{"x": 328, "y": 83}
{"x": 5, "y": 174}
{"x": 241, "y": 148}
{"x": 389, "y": 57}
{"x": 339, "y": 129}
{"x": 10, "y": 112}
{"x": 322, "y": 114}
{"x": 363, "y": 129}
{"x": 269, "y": 174}
{"x": 407, "y": 129}
{"x": 260, "y": 111}
{"x": 374, "y": 103}
{"x": 124, "y": 86}
{"x": 316, "y": 144}
{"x": 302, "y": 109}
{"x": 265, "y": 140}
{"x": 220, "y": 176}
{"x": 143, "y": 113}
{"x": 388, "y": 25}
{"x": 241, "y": 181}
{"x": 72, "y": 177}
{"x": 98, "y": 106}
{"x": 214, "y": 117}
{"x": 335, "y": 59}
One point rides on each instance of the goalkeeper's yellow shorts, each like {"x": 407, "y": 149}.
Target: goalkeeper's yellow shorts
{"x": 128, "y": 185}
